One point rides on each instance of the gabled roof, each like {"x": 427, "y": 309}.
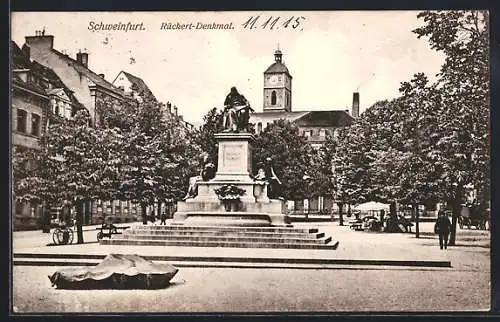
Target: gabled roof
{"x": 19, "y": 59}
{"x": 93, "y": 77}
{"x": 56, "y": 81}
{"x": 142, "y": 88}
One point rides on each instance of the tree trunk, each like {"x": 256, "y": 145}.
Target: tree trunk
{"x": 159, "y": 203}
{"x": 392, "y": 223}
{"x": 46, "y": 218}
{"x": 144, "y": 214}
{"x": 417, "y": 221}
{"x": 349, "y": 210}
{"x": 341, "y": 213}
{"x": 393, "y": 208}
{"x": 456, "y": 207}
{"x": 79, "y": 221}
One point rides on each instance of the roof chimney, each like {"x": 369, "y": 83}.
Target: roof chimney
{"x": 169, "y": 108}
{"x": 175, "y": 111}
{"x": 82, "y": 58}
{"x": 40, "y": 41}
{"x": 355, "y": 105}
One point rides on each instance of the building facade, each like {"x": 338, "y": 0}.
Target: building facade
{"x": 47, "y": 83}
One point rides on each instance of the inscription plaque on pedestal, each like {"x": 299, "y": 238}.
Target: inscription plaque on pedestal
{"x": 232, "y": 159}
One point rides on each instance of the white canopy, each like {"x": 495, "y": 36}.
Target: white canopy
{"x": 372, "y": 205}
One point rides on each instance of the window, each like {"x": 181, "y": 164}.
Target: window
{"x": 322, "y": 132}
{"x": 307, "y": 133}
{"x": 35, "y": 124}
{"x": 273, "y": 98}
{"x": 60, "y": 109}
{"x": 287, "y": 97}
{"x": 21, "y": 120}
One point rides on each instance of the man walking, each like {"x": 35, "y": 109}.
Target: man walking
{"x": 163, "y": 218}
{"x": 442, "y": 227}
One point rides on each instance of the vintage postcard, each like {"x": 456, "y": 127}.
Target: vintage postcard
{"x": 250, "y": 161}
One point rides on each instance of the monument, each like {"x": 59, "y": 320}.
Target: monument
{"x": 230, "y": 207}
{"x": 233, "y": 197}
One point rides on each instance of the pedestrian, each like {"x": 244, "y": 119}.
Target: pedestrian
{"x": 163, "y": 218}
{"x": 442, "y": 228}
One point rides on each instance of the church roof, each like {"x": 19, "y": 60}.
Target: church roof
{"x": 277, "y": 67}
{"x": 331, "y": 118}
{"x": 265, "y": 117}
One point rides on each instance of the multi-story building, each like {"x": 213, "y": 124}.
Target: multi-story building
{"x": 38, "y": 95}
{"x": 315, "y": 125}
{"x": 58, "y": 85}
{"x": 47, "y": 82}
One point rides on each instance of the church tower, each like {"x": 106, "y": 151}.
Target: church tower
{"x": 277, "y": 86}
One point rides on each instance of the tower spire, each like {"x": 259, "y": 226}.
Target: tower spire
{"x": 278, "y": 54}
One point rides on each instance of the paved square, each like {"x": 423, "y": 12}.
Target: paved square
{"x": 464, "y": 286}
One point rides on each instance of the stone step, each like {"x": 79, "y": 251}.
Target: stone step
{"x": 235, "y": 228}
{"x": 220, "y": 233}
{"x": 237, "y": 244}
{"x": 246, "y": 239}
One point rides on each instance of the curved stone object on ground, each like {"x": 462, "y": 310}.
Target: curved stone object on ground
{"x": 116, "y": 271}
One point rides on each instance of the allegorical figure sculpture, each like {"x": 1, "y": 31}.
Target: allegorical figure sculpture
{"x": 267, "y": 173}
{"x": 208, "y": 169}
{"x": 236, "y": 112}
{"x": 207, "y": 172}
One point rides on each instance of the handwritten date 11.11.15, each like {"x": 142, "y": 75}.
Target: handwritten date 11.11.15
{"x": 274, "y": 23}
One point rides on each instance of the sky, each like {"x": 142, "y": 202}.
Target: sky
{"x": 330, "y": 55}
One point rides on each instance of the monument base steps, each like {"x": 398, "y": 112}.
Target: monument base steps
{"x": 226, "y": 236}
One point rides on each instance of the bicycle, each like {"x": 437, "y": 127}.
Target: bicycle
{"x": 63, "y": 235}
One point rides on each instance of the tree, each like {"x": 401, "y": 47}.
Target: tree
{"x": 141, "y": 149}
{"x": 293, "y": 157}
{"x": 76, "y": 163}
{"x": 32, "y": 175}
{"x": 205, "y": 137}
{"x": 463, "y": 142}
{"x": 178, "y": 161}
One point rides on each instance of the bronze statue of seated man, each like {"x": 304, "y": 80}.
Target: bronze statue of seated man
{"x": 236, "y": 112}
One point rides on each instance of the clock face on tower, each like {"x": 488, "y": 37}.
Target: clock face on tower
{"x": 273, "y": 80}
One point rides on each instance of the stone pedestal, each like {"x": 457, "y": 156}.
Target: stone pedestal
{"x": 235, "y": 157}
{"x": 234, "y": 168}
